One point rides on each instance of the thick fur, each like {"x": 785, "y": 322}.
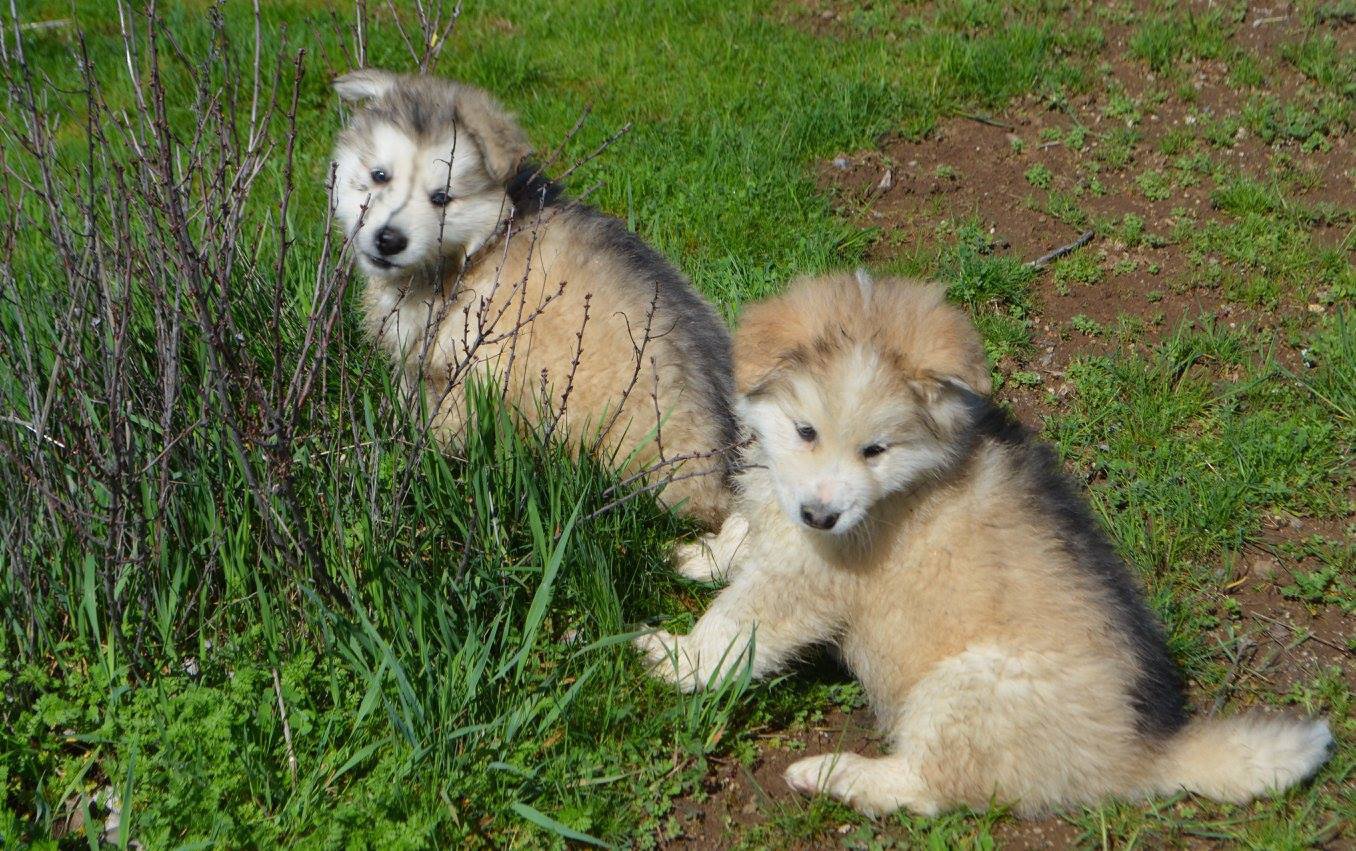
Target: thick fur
{"x": 1006, "y": 650}
{"x": 511, "y": 281}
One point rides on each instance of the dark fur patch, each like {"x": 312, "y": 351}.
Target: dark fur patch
{"x": 1157, "y": 694}
{"x": 531, "y": 191}
{"x": 414, "y": 109}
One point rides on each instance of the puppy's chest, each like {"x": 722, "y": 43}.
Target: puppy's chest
{"x": 415, "y": 325}
{"x": 908, "y": 610}
{"x": 470, "y": 320}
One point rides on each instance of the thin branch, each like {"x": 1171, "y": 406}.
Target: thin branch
{"x": 1046, "y": 259}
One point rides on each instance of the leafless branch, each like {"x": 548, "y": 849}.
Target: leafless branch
{"x": 1046, "y": 259}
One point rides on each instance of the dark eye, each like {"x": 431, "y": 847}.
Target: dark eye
{"x": 872, "y": 451}
{"x": 440, "y": 198}
{"x": 379, "y": 175}
{"x": 807, "y": 433}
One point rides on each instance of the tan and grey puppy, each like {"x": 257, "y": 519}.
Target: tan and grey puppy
{"x": 477, "y": 267}
{"x": 892, "y": 509}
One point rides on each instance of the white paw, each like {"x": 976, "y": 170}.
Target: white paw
{"x": 870, "y": 786}
{"x": 667, "y": 659}
{"x": 824, "y": 773}
{"x": 696, "y": 560}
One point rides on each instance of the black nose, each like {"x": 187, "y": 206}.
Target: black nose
{"x": 818, "y": 517}
{"x": 391, "y": 241}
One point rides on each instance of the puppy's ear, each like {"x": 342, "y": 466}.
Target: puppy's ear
{"x": 768, "y": 332}
{"x": 950, "y": 350}
{"x": 363, "y": 84}
{"x": 949, "y": 401}
{"x": 502, "y": 143}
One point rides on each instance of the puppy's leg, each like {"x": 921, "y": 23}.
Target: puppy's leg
{"x": 872, "y": 786}
{"x": 1030, "y": 728}
{"x": 712, "y": 558}
{"x": 761, "y": 620}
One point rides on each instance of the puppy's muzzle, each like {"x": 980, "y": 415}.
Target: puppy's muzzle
{"x": 816, "y": 515}
{"x": 391, "y": 241}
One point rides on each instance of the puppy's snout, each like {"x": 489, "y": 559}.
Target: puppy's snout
{"x": 817, "y": 516}
{"x": 391, "y": 241}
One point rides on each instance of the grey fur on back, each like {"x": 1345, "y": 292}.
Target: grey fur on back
{"x": 704, "y": 340}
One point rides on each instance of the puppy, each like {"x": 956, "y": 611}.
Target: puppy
{"x": 888, "y": 506}
{"x": 478, "y": 268}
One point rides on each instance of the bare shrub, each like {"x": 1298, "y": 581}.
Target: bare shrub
{"x": 183, "y": 403}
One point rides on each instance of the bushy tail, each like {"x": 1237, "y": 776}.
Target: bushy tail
{"x": 1237, "y": 759}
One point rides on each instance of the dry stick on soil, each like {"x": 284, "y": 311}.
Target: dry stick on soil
{"x": 1308, "y": 634}
{"x": 984, "y": 119}
{"x": 1046, "y": 259}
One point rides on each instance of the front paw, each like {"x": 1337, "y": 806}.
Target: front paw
{"x": 667, "y": 659}
{"x": 697, "y": 561}
{"x": 826, "y": 773}
{"x": 875, "y": 787}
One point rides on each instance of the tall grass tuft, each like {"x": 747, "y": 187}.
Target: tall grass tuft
{"x": 212, "y": 483}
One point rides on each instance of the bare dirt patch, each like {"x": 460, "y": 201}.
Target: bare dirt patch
{"x": 740, "y": 796}
{"x": 1293, "y": 640}
{"x": 1118, "y": 160}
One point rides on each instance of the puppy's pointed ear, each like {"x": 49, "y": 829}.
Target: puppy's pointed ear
{"x": 501, "y": 141}
{"x": 935, "y": 386}
{"x": 363, "y": 84}
{"x": 768, "y": 333}
{"x": 948, "y": 349}
{"x": 948, "y": 399}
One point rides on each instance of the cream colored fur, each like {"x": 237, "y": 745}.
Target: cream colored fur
{"x": 999, "y": 666}
{"x": 582, "y": 327}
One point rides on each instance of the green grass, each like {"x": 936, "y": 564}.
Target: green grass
{"x": 470, "y": 683}
{"x": 1164, "y": 42}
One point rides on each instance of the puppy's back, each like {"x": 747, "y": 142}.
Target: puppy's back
{"x": 1058, "y": 504}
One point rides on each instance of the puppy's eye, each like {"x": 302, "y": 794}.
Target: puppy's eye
{"x": 379, "y": 175}
{"x": 873, "y": 450}
{"x": 807, "y": 433}
{"x": 440, "y": 198}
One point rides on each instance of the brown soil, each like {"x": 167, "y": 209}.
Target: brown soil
{"x": 741, "y": 796}
{"x": 970, "y": 167}
{"x": 1293, "y": 641}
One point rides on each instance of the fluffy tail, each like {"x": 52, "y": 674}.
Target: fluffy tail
{"x": 1237, "y": 759}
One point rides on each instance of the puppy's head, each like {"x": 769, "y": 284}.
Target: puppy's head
{"x": 855, "y": 390}
{"x": 421, "y": 169}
